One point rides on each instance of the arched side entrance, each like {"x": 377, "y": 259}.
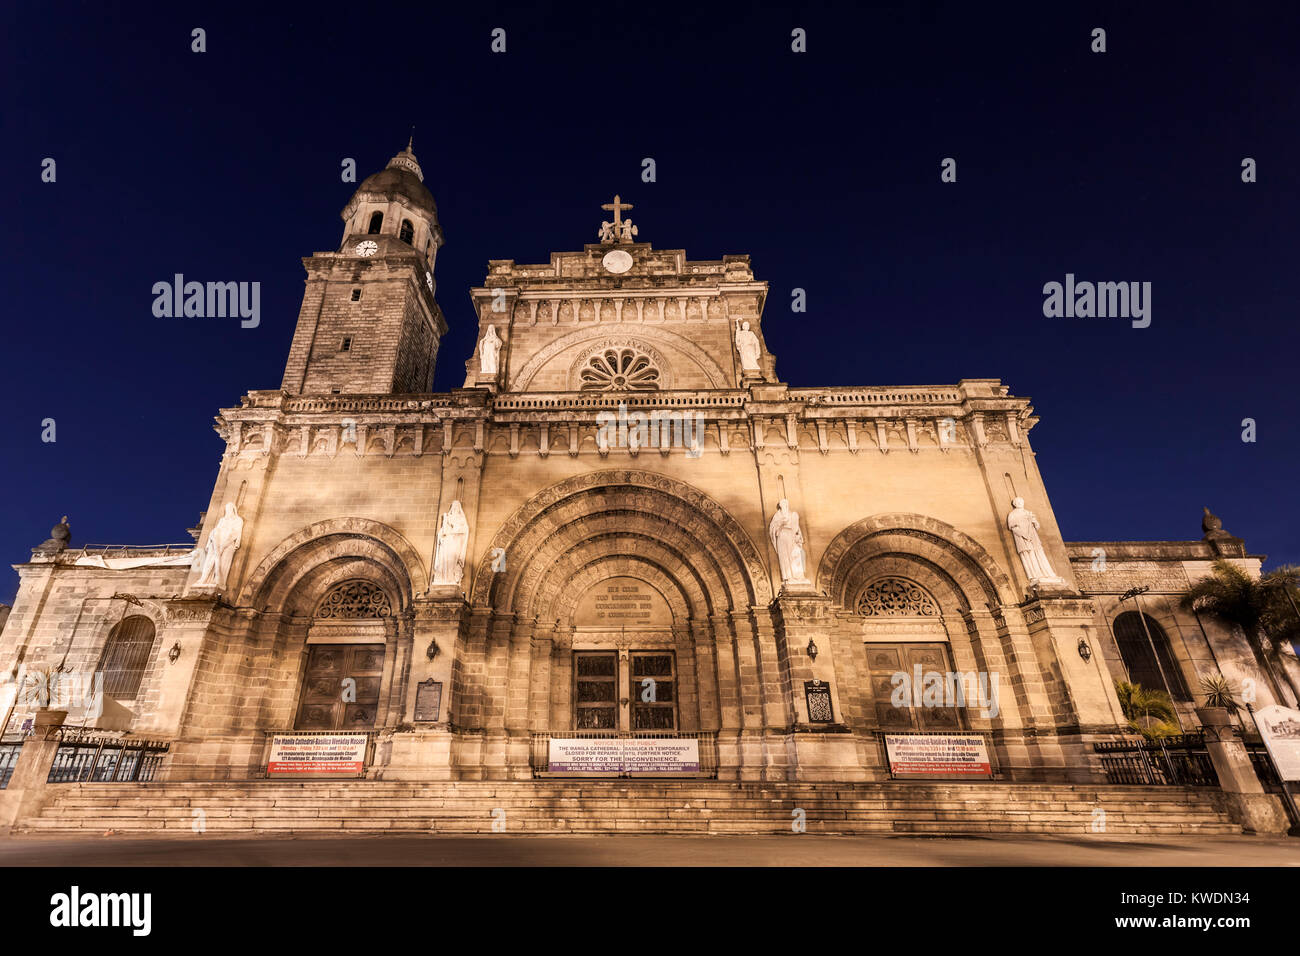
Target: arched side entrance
{"x": 331, "y": 602}
{"x": 914, "y": 595}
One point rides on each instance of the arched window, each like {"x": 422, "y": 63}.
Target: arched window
{"x": 126, "y": 656}
{"x": 1135, "y": 649}
{"x": 407, "y": 232}
{"x": 376, "y": 223}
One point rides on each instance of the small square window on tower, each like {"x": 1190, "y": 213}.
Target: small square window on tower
{"x": 346, "y": 345}
{"x": 356, "y": 295}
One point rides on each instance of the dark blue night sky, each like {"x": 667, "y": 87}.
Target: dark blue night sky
{"x": 823, "y": 166}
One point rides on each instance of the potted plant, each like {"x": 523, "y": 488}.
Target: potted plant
{"x": 1220, "y": 702}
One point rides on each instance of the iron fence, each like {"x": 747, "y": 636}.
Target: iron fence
{"x": 708, "y": 749}
{"x": 86, "y": 758}
{"x": 1177, "y": 761}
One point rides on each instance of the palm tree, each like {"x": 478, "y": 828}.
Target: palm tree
{"x": 1149, "y": 712}
{"x": 1234, "y": 597}
{"x": 1282, "y": 616}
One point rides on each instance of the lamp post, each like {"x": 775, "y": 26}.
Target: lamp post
{"x": 1134, "y": 593}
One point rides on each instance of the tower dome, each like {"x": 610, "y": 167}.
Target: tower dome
{"x": 393, "y": 208}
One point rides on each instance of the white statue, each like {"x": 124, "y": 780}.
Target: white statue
{"x": 219, "y": 550}
{"x": 748, "y": 347}
{"x": 629, "y": 230}
{"x": 1024, "y": 528}
{"x": 488, "y": 351}
{"x": 787, "y": 540}
{"x": 606, "y": 233}
{"x": 453, "y": 537}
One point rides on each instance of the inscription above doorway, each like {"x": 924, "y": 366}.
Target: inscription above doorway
{"x": 623, "y": 603}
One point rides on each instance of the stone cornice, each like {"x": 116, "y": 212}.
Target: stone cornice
{"x": 919, "y": 418}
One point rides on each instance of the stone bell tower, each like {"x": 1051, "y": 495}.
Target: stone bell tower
{"x": 369, "y": 323}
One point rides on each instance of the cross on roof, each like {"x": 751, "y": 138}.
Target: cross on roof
{"x": 617, "y": 207}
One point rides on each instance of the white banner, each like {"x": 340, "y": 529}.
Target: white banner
{"x": 1280, "y": 726}
{"x": 938, "y": 755}
{"x": 624, "y": 755}
{"x": 332, "y": 754}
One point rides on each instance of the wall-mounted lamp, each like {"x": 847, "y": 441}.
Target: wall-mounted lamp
{"x": 175, "y": 652}
{"x": 812, "y": 649}
{"x": 1084, "y": 650}
{"x": 432, "y": 652}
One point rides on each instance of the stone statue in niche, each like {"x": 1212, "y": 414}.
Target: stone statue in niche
{"x": 748, "y": 347}
{"x": 453, "y": 538}
{"x": 220, "y": 548}
{"x": 1024, "y": 528}
{"x": 489, "y": 350}
{"x": 787, "y": 541}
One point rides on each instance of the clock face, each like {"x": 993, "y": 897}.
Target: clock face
{"x": 616, "y": 261}
{"x": 367, "y": 249}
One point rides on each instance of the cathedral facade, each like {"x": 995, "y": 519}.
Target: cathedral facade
{"x": 624, "y": 526}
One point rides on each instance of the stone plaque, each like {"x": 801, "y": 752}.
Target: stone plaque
{"x": 623, "y": 602}
{"x": 818, "y": 695}
{"x": 428, "y": 700}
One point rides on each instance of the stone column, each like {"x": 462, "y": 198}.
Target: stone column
{"x": 519, "y": 676}
{"x": 539, "y": 687}
{"x": 27, "y": 789}
{"x": 822, "y": 751}
{"x": 423, "y": 748}
{"x": 688, "y": 693}
{"x": 706, "y": 673}
{"x": 496, "y": 682}
{"x": 562, "y": 679}
{"x": 1249, "y": 804}
{"x": 731, "y": 718}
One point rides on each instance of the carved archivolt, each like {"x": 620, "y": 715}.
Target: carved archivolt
{"x": 960, "y": 556}
{"x": 896, "y": 597}
{"x": 555, "y": 527}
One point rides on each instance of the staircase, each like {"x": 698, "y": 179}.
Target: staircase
{"x": 623, "y": 806}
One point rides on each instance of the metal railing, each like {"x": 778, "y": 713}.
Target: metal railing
{"x": 708, "y": 748}
{"x": 1177, "y": 761}
{"x": 92, "y": 758}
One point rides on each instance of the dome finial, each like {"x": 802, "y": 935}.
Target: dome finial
{"x": 406, "y": 158}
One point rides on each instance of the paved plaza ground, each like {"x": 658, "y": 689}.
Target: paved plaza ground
{"x": 649, "y": 850}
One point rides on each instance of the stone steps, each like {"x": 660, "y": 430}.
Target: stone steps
{"x": 368, "y": 806}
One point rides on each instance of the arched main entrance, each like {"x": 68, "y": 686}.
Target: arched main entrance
{"x": 622, "y": 589}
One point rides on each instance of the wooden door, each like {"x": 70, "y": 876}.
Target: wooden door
{"x": 328, "y": 702}
{"x": 886, "y": 660}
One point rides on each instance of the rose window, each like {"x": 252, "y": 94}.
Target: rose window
{"x": 896, "y": 597}
{"x": 616, "y": 370}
